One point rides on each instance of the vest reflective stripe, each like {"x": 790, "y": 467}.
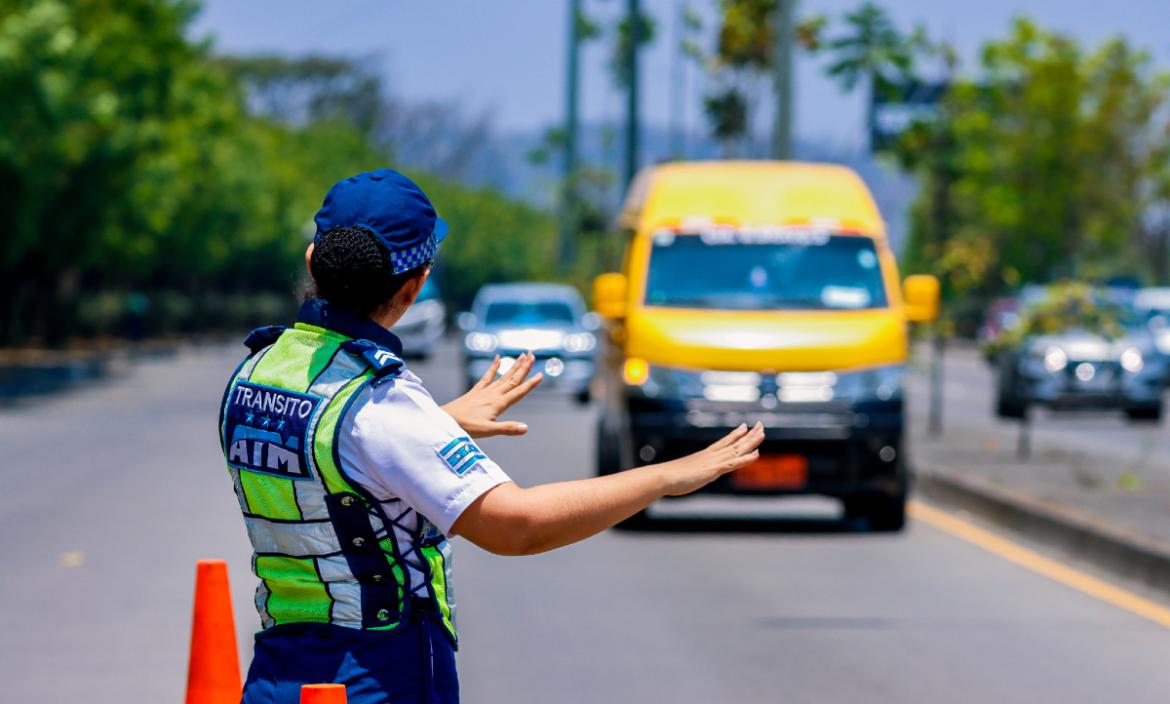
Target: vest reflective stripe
{"x": 311, "y": 498}
{"x": 341, "y": 370}
{"x": 347, "y": 601}
{"x": 240, "y": 495}
{"x": 250, "y": 363}
{"x": 266, "y": 620}
{"x": 292, "y": 539}
{"x": 300, "y": 539}
{"x": 347, "y": 596}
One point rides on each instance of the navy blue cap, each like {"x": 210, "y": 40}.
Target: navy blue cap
{"x": 391, "y": 206}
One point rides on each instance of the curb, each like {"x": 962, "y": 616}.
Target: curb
{"x": 1073, "y": 533}
{"x": 37, "y": 374}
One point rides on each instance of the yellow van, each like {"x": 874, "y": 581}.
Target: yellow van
{"x": 762, "y": 291}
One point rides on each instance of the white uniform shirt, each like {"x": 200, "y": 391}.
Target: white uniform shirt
{"x": 399, "y": 445}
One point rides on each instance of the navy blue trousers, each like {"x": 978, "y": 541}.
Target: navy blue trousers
{"x": 414, "y": 664}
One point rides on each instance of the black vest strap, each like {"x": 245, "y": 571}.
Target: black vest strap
{"x": 385, "y": 363}
{"x": 263, "y": 337}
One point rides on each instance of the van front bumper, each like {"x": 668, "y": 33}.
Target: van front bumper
{"x": 848, "y": 448}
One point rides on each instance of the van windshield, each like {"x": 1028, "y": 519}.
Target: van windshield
{"x": 733, "y": 270}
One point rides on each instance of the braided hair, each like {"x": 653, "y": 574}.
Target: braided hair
{"x": 351, "y": 268}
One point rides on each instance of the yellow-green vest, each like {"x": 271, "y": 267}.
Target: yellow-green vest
{"x": 325, "y": 549}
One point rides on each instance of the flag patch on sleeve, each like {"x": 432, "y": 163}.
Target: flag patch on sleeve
{"x": 461, "y": 455}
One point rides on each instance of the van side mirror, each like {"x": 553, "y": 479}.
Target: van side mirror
{"x": 466, "y": 321}
{"x": 920, "y": 293}
{"x": 609, "y": 296}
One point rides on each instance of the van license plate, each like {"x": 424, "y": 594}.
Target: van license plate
{"x": 773, "y": 472}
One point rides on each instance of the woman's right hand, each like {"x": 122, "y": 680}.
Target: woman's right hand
{"x": 734, "y": 450}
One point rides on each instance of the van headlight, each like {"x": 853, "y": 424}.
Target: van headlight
{"x": 580, "y": 342}
{"x": 806, "y": 387}
{"x": 481, "y": 342}
{"x": 654, "y": 381}
{"x": 876, "y": 384}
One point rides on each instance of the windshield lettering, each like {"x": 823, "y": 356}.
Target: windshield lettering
{"x": 715, "y": 235}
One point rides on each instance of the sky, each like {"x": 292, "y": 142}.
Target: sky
{"x": 507, "y": 57}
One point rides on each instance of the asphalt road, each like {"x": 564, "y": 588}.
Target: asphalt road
{"x": 111, "y": 494}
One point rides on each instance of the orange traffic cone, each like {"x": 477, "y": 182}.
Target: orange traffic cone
{"x": 323, "y": 694}
{"x": 213, "y": 671}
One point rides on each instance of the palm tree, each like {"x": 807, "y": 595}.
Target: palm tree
{"x": 872, "y": 50}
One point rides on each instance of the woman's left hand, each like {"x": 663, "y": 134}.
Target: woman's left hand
{"x": 476, "y": 411}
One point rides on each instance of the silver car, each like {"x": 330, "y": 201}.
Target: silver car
{"x": 1078, "y": 368}
{"x": 423, "y": 324}
{"x": 1153, "y": 304}
{"x": 549, "y": 320}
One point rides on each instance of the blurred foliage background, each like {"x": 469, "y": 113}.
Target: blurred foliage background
{"x": 1065, "y": 305}
{"x": 1045, "y": 161}
{"x": 148, "y": 186}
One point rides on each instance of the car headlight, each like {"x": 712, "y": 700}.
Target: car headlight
{"x": 1055, "y": 359}
{"x": 1131, "y": 360}
{"x": 877, "y": 384}
{"x": 481, "y": 342}
{"x": 580, "y": 342}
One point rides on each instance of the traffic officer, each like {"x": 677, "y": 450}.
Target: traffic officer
{"x": 351, "y": 477}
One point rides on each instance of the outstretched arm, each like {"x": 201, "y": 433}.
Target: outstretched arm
{"x": 510, "y": 520}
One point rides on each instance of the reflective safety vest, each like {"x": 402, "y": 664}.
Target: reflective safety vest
{"x": 325, "y": 549}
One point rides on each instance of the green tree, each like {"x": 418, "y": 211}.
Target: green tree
{"x": 90, "y": 89}
{"x": 871, "y": 51}
{"x": 623, "y": 44}
{"x": 492, "y": 240}
{"x": 141, "y": 175}
{"x": 307, "y": 89}
{"x": 743, "y": 54}
{"x": 1059, "y": 159}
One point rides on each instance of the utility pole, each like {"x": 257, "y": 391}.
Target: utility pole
{"x": 942, "y": 180}
{"x": 677, "y": 82}
{"x": 783, "y": 38}
{"x": 634, "y": 28}
{"x": 569, "y": 220}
